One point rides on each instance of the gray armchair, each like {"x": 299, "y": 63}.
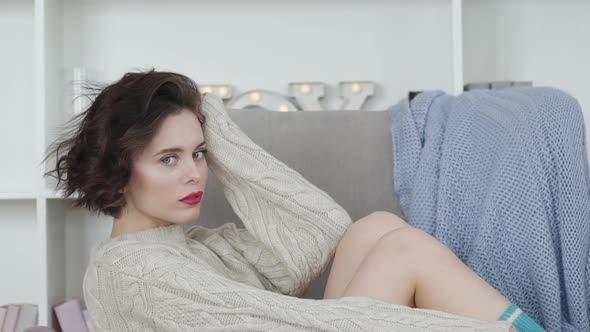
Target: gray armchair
{"x": 348, "y": 154}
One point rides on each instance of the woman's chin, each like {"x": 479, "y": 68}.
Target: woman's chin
{"x": 189, "y": 218}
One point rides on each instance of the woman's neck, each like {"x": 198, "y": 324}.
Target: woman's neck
{"x": 130, "y": 222}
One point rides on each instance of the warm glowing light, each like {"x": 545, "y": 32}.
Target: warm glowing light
{"x": 255, "y": 96}
{"x": 223, "y": 91}
{"x": 356, "y": 88}
{"x": 305, "y": 88}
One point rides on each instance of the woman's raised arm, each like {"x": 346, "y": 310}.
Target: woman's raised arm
{"x": 298, "y": 222}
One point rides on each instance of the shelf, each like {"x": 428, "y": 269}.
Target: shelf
{"x": 17, "y": 195}
{"x": 72, "y": 232}
{"x": 19, "y": 254}
{"x": 52, "y": 194}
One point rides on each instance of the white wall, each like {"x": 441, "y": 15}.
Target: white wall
{"x": 400, "y": 45}
{"x": 17, "y": 103}
{"x": 544, "y": 41}
{"x": 18, "y": 258}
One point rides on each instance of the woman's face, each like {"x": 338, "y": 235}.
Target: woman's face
{"x": 171, "y": 167}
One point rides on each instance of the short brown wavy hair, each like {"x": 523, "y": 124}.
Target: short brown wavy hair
{"x": 93, "y": 158}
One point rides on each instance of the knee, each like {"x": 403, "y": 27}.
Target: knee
{"x": 412, "y": 243}
{"x": 380, "y": 220}
{"x": 366, "y": 231}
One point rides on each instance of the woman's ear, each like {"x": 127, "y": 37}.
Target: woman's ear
{"x": 201, "y": 117}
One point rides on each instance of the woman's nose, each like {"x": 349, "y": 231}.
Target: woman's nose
{"x": 193, "y": 171}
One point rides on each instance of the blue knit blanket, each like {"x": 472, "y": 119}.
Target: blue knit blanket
{"x": 501, "y": 177}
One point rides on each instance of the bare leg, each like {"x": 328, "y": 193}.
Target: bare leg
{"x": 409, "y": 267}
{"x": 359, "y": 239}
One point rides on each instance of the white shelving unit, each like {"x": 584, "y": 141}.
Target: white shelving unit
{"x": 400, "y": 45}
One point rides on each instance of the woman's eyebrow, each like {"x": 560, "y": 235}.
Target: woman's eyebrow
{"x": 176, "y": 149}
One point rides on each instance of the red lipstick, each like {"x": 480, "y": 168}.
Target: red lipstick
{"x": 193, "y": 198}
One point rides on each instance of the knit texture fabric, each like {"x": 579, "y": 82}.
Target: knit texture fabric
{"x": 501, "y": 177}
{"x": 173, "y": 278}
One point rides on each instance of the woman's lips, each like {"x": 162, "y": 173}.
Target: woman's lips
{"x": 193, "y": 198}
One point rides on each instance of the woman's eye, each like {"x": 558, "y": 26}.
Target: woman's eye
{"x": 204, "y": 152}
{"x": 167, "y": 160}
{"x": 171, "y": 160}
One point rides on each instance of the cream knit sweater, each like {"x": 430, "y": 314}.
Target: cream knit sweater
{"x": 231, "y": 279}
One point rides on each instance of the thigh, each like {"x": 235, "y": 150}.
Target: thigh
{"x": 410, "y": 267}
{"x": 385, "y": 274}
{"x": 354, "y": 246}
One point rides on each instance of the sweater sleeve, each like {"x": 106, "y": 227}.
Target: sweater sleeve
{"x": 184, "y": 297}
{"x": 228, "y": 240}
{"x": 300, "y": 224}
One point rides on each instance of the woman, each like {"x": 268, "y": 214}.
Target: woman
{"x": 141, "y": 153}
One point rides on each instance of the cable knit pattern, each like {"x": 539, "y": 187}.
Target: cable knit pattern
{"x": 227, "y": 278}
